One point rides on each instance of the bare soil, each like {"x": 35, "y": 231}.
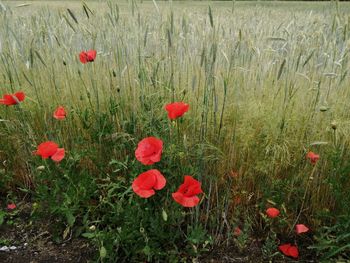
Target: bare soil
{"x": 34, "y": 243}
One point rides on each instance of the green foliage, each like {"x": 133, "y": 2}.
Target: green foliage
{"x": 270, "y": 246}
{"x": 333, "y": 238}
{"x": 334, "y": 241}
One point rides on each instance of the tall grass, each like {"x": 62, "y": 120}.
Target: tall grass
{"x": 264, "y": 84}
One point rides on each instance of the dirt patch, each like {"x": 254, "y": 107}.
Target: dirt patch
{"x": 230, "y": 253}
{"x": 34, "y": 243}
{"x": 74, "y": 251}
{"x": 252, "y": 253}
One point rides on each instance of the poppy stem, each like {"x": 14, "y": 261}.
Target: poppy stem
{"x": 304, "y": 198}
{"x": 178, "y": 130}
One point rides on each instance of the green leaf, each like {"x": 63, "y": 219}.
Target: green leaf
{"x": 88, "y": 235}
{"x": 70, "y": 218}
{"x": 2, "y": 217}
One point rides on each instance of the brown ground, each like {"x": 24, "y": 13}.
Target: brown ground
{"x": 40, "y": 247}
{"x": 75, "y": 251}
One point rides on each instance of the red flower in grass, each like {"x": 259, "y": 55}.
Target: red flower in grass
{"x": 300, "y": 228}
{"x": 176, "y": 109}
{"x": 272, "y": 212}
{"x": 11, "y": 206}
{"x": 237, "y": 200}
{"x": 149, "y": 150}
{"x": 87, "y": 56}
{"x": 12, "y": 99}
{"x": 237, "y": 232}
{"x": 289, "y": 250}
{"x": 313, "y": 157}
{"x": 187, "y": 193}
{"x": 145, "y": 184}
{"x": 50, "y": 150}
{"x": 60, "y": 113}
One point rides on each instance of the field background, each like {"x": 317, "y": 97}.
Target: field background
{"x": 289, "y": 6}
{"x": 266, "y": 83}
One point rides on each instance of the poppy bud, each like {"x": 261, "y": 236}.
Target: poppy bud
{"x": 41, "y": 168}
{"x": 164, "y": 215}
{"x": 334, "y": 125}
{"x": 35, "y": 205}
{"x": 324, "y": 108}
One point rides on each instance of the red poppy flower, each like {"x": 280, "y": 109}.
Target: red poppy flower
{"x": 145, "y": 184}
{"x": 289, "y": 250}
{"x": 149, "y": 150}
{"x": 12, "y": 99}
{"x": 187, "y": 193}
{"x": 300, "y": 228}
{"x": 272, "y": 212}
{"x": 313, "y": 157}
{"x": 50, "y": 150}
{"x": 11, "y": 206}
{"x": 237, "y": 232}
{"x": 176, "y": 109}
{"x": 87, "y": 56}
{"x": 237, "y": 200}
{"x": 234, "y": 174}
{"x": 60, "y": 113}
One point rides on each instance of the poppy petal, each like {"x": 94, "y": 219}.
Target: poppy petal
{"x": 301, "y": 228}
{"x": 160, "y": 180}
{"x": 193, "y": 186}
{"x": 47, "y": 149}
{"x": 272, "y": 212}
{"x": 293, "y": 252}
{"x": 313, "y": 157}
{"x": 144, "y": 183}
{"x": 176, "y": 109}
{"x": 184, "y": 200}
{"x": 11, "y": 206}
{"x": 59, "y": 155}
{"x": 284, "y": 249}
{"x": 59, "y": 113}
{"x": 12, "y": 99}
{"x": 145, "y": 180}
{"x": 83, "y": 57}
{"x": 91, "y": 55}
{"x": 149, "y": 150}
{"x": 9, "y": 100}
{"x": 143, "y": 192}
{"x": 20, "y": 96}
